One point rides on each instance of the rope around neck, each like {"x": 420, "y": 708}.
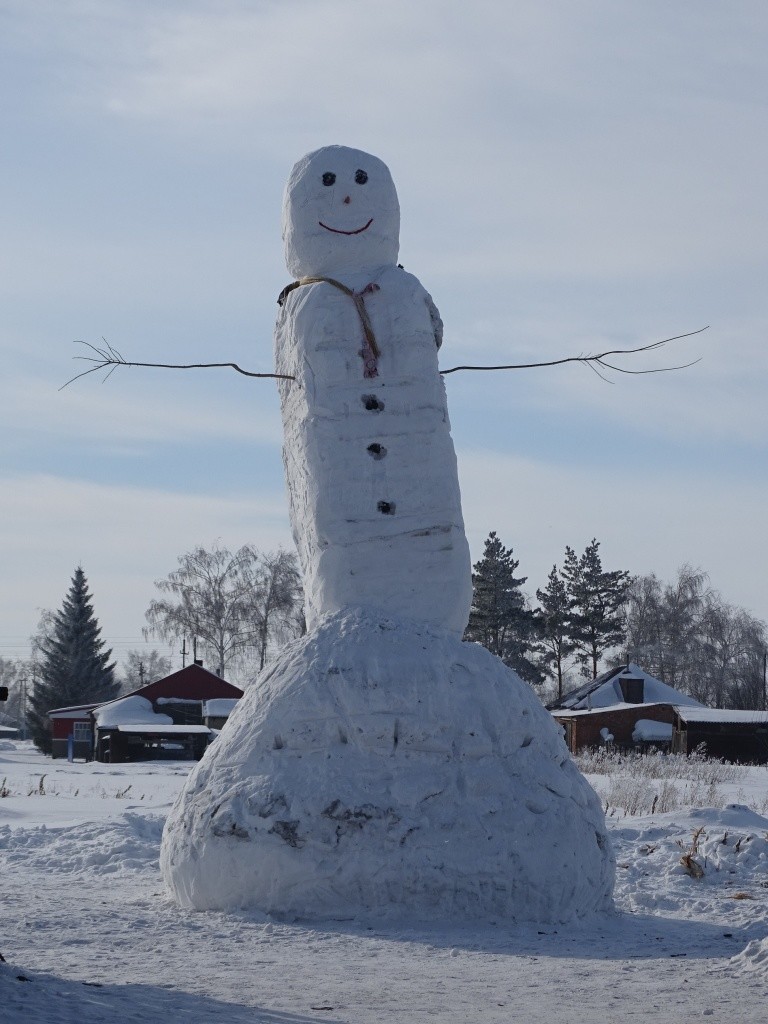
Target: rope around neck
{"x": 371, "y": 350}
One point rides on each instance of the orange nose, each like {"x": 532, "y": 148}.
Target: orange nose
{"x": 347, "y": 199}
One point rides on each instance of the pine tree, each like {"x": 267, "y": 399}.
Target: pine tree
{"x": 553, "y": 618}
{"x": 500, "y": 619}
{"x": 596, "y": 600}
{"x": 74, "y": 667}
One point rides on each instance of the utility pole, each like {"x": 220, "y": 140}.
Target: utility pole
{"x": 23, "y": 709}
{"x": 24, "y": 682}
{"x": 184, "y": 652}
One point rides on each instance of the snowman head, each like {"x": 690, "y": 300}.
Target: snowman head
{"x": 340, "y": 213}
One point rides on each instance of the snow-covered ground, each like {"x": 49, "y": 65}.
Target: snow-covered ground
{"x": 89, "y": 934}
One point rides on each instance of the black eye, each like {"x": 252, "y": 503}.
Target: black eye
{"x": 361, "y": 177}
{"x": 329, "y": 177}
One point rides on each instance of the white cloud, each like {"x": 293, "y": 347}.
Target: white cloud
{"x": 585, "y": 142}
{"x": 559, "y": 138}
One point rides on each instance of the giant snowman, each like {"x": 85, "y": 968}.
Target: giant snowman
{"x": 379, "y": 764}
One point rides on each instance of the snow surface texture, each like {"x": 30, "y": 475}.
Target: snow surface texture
{"x": 370, "y": 466}
{"x": 382, "y": 765}
{"x": 87, "y": 925}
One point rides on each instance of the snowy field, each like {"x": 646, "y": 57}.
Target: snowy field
{"x": 89, "y": 935}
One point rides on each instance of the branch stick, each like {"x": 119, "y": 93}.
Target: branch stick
{"x": 108, "y": 358}
{"x": 598, "y": 359}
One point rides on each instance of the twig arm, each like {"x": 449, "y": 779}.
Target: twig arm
{"x": 108, "y": 358}
{"x": 596, "y": 360}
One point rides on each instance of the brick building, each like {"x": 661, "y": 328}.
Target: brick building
{"x": 615, "y": 707}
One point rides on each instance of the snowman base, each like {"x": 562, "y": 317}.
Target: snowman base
{"x": 388, "y": 768}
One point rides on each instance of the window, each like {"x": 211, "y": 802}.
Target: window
{"x": 82, "y": 732}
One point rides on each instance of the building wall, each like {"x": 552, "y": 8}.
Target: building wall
{"x": 62, "y": 727}
{"x": 729, "y": 741}
{"x": 585, "y": 729}
{"x": 82, "y": 750}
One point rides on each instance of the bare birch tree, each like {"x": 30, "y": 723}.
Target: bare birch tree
{"x": 232, "y": 603}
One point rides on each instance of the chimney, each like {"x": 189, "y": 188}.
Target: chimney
{"x": 632, "y": 689}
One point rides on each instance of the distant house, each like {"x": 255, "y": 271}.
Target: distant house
{"x": 164, "y": 719}
{"x": 76, "y": 722}
{"x": 625, "y": 707}
{"x": 730, "y": 735}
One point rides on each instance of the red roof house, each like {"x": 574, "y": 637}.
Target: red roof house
{"x": 159, "y": 720}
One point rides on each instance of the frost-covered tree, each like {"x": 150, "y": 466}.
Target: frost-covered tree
{"x": 596, "y": 599}
{"x": 749, "y": 674}
{"x": 500, "y": 618}
{"x": 553, "y": 622}
{"x": 662, "y": 622}
{"x": 142, "y": 667}
{"x": 732, "y": 649}
{"x": 686, "y": 634}
{"x": 234, "y": 604}
{"x": 13, "y": 675}
{"x": 73, "y": 666}
{"x": 279, "y": 605}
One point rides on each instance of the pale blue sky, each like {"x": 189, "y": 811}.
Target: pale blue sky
{"x": 572, "y": 177}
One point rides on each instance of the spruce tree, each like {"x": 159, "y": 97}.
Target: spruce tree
{"x": 500, "y": 619}
{"x": 596, "y": 600}
{"x": 74, "y": 667}
{"x": 553, "y": 619}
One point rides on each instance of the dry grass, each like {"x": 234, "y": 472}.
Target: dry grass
{"x": 696, "y": 767}
{"x": 634, "y": 784}
{"x": 689, "y": 860}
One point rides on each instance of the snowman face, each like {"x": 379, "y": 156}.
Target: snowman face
{"x": 340, "y": 214}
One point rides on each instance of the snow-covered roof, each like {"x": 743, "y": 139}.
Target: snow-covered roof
{"x": 648, "y": 731}
{"x": 605, "y": 691}
{"x": 129, "y": 710}
{"x": 158, "y": 729}
{"x": 219, "y": 707}
{"x": 76, "y": 711}
{"x": 584, "y": 712}
{"x": 721, "y": 715}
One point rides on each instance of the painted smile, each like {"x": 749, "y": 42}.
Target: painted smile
{"x": 338, "y": 231}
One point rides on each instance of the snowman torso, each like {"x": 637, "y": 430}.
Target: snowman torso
{"x": 371, "y": 470}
